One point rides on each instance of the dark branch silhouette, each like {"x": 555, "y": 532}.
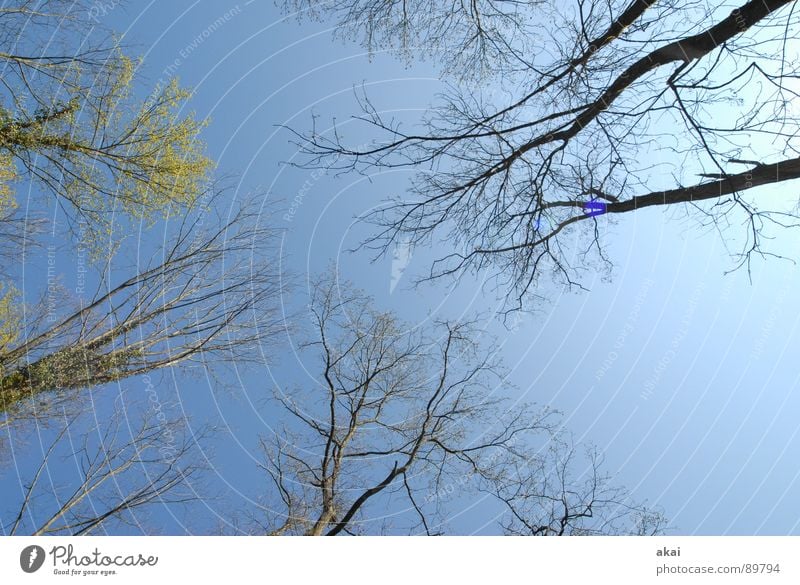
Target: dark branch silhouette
{"x": 400, "y": 418}
{"x": 622, "y": 109}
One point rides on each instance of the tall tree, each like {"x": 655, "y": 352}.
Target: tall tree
{"x": 70, "y": 121}
{"x": 471, "y": 39}
{"x": 103, "y": 475}
{"x": 622, "y": 106}
{"x": 403, "y": 417}
{"x": 210, "y": 295}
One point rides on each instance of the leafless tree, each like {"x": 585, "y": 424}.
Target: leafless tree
{"x": 470, "y": 38}
{"x": 104, "y": 479}
{"x": 210, "y": 295}
{"x": 16, "y": 235}
{"x": 400, "y": 419}
{"x": 560, "y": 493}
{"x": 625, "y": 105}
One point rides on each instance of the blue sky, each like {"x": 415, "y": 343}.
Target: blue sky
{"x": 683, "y": 376}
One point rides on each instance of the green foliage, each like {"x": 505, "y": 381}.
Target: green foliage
{"x": 10, "y": 319}
{"x": 99, "y": 149}
{"x": 8, "y": 174}
{"x": 68, "y": 368}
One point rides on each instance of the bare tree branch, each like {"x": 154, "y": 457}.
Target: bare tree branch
{"x": 211, "y": 295}
{"x": 403, "y": 412}
{"x": 119, "y": 472}
{"x": 523, "y": 186}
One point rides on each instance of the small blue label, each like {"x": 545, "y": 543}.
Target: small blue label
{"x": 593, "y": 207}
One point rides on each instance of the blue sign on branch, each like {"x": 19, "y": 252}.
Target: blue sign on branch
{"x": 594, "y": 207}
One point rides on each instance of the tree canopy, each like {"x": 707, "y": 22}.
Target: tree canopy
{"x": 73, "y": 121}
{"x": 199, "y": 298}
{"x": 403, "y": 420}
{"x": 622, "y": 106}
